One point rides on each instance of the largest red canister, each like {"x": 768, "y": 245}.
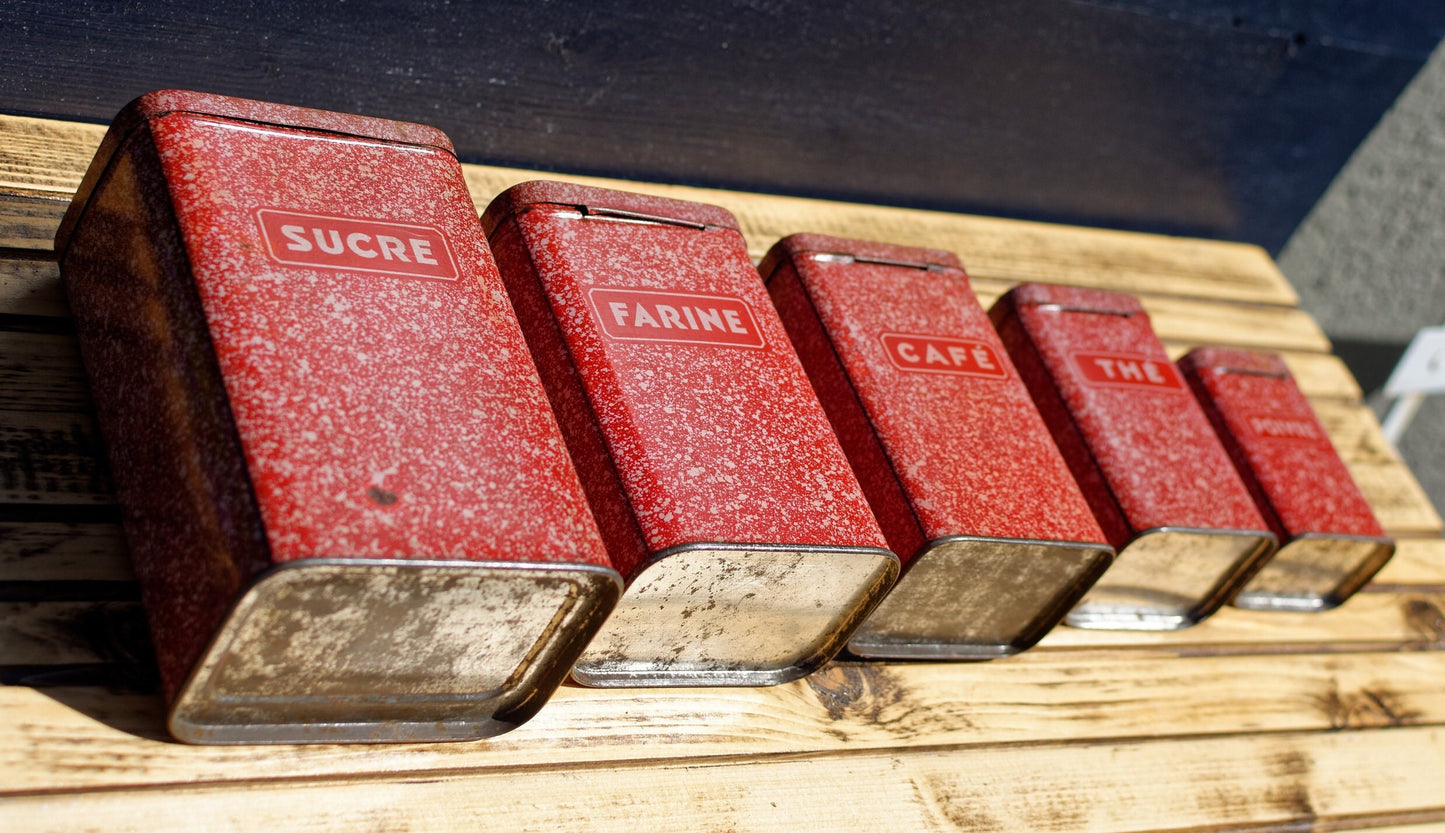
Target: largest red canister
{"x": 996, "y": 541}
{"x": 723, "y": 495}
{"x": 349, "y": 506}
{"x": 1160, "y": 483}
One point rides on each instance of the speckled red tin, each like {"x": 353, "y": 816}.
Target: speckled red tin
{"x": 347, "y": 500}
{"x": 997, "y": 542}
{"x": 1160, "y": 483}
{"x": 720, "y": 489}
{"x": 1331, "y": 543}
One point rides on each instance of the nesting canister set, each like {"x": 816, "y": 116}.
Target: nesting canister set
{"x": 389, "y": 471}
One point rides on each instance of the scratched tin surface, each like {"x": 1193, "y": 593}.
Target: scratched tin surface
{"x": 1331, "y": 543}
{"x": 303, "y": 357}
{"x": 718, "y": 483}
{"x": 997, "y": 541}
{"x": 1158, "y": 479}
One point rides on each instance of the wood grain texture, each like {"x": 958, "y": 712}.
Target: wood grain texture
{"x": 1418, "y": 562}
{"x": 52, "y": 458}
{"x": 44, "y": 155}
{"x": 1240, "y": 782}
{"x": 79, "y": 739}
{"x": 1251, "y": 720}
{"x": 30, "y": 284}
{"x": 28, "y": 218}
{"x": 41, "y": 372}
{"x": 1367, "y": 622}
{"x": 37, "y": 551}
{"x": 1007, "y": 250}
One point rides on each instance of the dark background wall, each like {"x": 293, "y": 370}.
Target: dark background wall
{"x": 1215, "y": 118}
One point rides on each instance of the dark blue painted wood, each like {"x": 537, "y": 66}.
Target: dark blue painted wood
{"x": 1210, "y": 117}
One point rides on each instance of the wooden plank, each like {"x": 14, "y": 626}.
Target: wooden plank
{"x": 28, "y": 219}
{"x": 85, "y": 738}
{"x": 995, "y": 249}
{"x": 31, "y": 551}
{"x": 1417, "y": 563}
{"x": 1241, "y": 782}
{"x": 41, "y": 372}
{"x": 1368, "y": 622}
{"x": 53, "y": 633}
{"x": 1008, "y": 250}
{"x": 1400, "y": 504}
{"x": 52, "y": 458}
{"x": 1196, "y": 321}
{"x": 30, "y": 285}
{"x": 45, "y": 155}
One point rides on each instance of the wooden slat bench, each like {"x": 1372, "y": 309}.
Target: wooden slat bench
{"x": 1255, "y": 721}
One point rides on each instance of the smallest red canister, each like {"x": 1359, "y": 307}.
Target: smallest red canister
{"x": 996, "y": 540}
{"x": 1331, "y": 543}
{"x": 1158, "y": 479}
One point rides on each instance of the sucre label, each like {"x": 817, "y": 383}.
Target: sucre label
{"x": 356, "y": 245}
{"x": 675, "y": 317}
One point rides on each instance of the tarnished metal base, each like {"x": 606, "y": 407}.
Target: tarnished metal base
{"x": 330, "y": 650}
{"x": 731, "y": 614}
{"x": 980, "y": 598}
{"x": 1315, "y": 572}
{"x": 1169, "y": 578}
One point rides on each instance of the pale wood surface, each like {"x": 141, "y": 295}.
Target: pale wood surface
{"x": 1248, "y": 721}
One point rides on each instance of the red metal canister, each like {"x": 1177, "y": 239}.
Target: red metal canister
{"x": 1158, "y": 479}
{"x": 996, "y": 540}
{"x": 1331, "y": 542}
{"x": 348, "y": 503}
{"x": 720, "y": 489}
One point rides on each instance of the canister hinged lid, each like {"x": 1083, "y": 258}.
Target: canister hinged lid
{"x": 822, "y": 248}
{"x": 161, "y": 103}
{"x": 1228, "y": 360}
{"x": 605, "y": 204}
{"x": 1053, "y": 297}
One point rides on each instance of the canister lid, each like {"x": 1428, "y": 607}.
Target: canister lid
{"x": 164, "y": 102}
{"x": 1231, "y": 360}
{"x": 795, "y": 245}
{"x": 604, "y": 201}
{"x": 1073, "y": 298}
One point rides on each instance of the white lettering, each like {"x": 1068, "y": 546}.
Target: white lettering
{"x": 619, "y": 312}
{"x": 644, "y": 318}
{"x": 735, "y": 323}
{"x": 1130, "y": 370}
{"x": 982, "y": 358}
{"x": 297, "y": 236}
{"x": 335, "y": 247}
{"x": 710, "y": 318}
{"x": 1107, "y": 365}
{"x": 392, "y": 247}
{"x": 932, "y": 356}
{"x": 421, "y": 250}
{"x": 354, "y": 241}
{"x": 908, "y": 352}
{"x": 1151, "y": 372}
{"x": 670, "y": 317}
